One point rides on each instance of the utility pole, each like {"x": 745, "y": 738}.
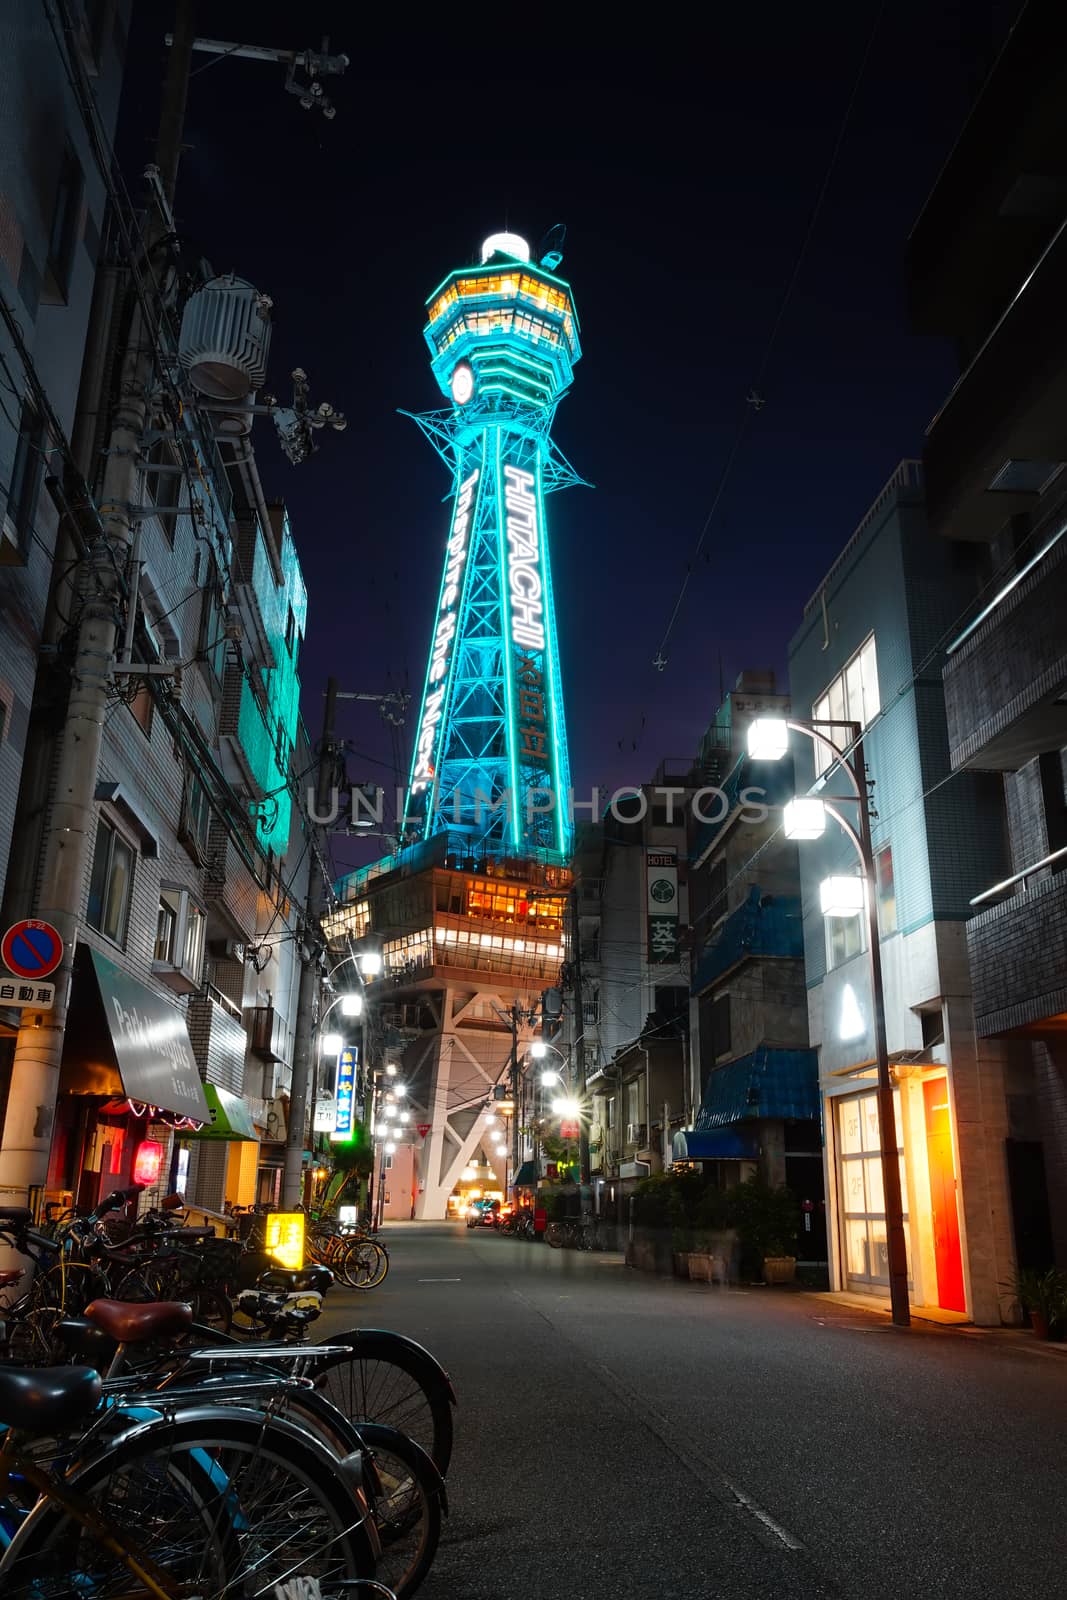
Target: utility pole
{"x": 70, "y": 836}
{"x": 579, "y": 1035}
{"x": 310, "y": 967}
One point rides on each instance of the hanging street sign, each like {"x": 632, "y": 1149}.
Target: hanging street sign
{"x": 31, "y": 949}
{"x": 39, "y": 995}
{"x": 423, "y": 1129}
{"x": 345, "y": 1097}
{"x": 325, "y": 1118}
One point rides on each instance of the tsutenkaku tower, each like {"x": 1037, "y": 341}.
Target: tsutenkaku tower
{"x": 490, "y": 759}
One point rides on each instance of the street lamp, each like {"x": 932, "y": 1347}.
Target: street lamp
{"x": 332, "y": 1044}
{"x": 351, "y": 1005}
{"x": 768, "y": 740}
{"x": 370, "y": 963}
{"x": 539, "y": 1049}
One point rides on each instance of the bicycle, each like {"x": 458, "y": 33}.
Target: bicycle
{"x": 183, "y": 1500}
{"x": 404, "y": 1490}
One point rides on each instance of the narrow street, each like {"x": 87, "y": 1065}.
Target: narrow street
{"x": 620, "y": 1435}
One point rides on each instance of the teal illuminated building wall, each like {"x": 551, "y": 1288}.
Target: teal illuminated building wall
{"x": 490, "y": 764}
{"x": 270, "y": 693}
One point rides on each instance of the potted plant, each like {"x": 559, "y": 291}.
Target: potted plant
{"x": 1043, "y": 1296}
{"x": 768, "y": 1221}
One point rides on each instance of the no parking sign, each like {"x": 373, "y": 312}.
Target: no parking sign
{"x": 31, "y": 949}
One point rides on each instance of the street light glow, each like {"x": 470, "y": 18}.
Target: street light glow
{"x": 332, "y": 1044}
{"x": 549, "y": 1077}
{"x": 539, "y": 1049}
{"x": 768, "y": 738}
{"x": 370, "y": 963}
{"x": 405, "y": 1116}
{"x": 400, "y": 1089}
{"x": 841, "y": 897}
{"x": 390, "y": 1147}
{"x": 804, "y": 817}
{"x": 567, "y": 1108}
{"x": 351, "y": 1005}
{"x": 390, "y": 1069}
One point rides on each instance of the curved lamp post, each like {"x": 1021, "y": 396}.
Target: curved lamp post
{"x": 804, "y": 817}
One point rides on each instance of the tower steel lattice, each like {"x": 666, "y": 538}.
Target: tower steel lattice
{"x": 490, "y": 764}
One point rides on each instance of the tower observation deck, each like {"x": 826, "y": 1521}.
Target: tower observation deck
{"x": 489, "y": 764}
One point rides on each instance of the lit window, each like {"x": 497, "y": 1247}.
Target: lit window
{"x": 851, "y": 697}
{"x": 109, "y": 887}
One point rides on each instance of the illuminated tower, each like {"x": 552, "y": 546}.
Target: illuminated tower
{"x": 490, "y": 756}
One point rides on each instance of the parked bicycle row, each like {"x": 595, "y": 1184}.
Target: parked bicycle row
{"x": 228, "y": 1282}
{"x": 157, "y": 1455}
{"x": 526, "y": 1222}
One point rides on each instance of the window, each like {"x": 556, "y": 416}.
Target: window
{"x": 852, "y": 697}
{"x": 611, "y": 1113}
{"x": 196, "y": 817}
{"x": 887, "y": 898}
{"x": 387, "y": 1162}
{"x": 109, "y": 887}
{"x": 281, "y": 746}
{"x": 862, "y": 1196}
{"x": 179, "y": 949}
{"x": 162, "y": 487}
{"x": 633, "y": 1103}
{"x": 591, "y": 1009}
{"x": 844, "y": 939}
{"x": 63, "y": 236}
{"x": 211, "y": 645}
{"x": 290, "y": 631}
{"x": 25, "y": 486}
{"x": 720, "y": 1026}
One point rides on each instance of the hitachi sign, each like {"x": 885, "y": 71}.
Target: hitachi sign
{"x": 524, "y": 560}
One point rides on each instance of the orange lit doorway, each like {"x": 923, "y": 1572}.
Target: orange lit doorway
{"x": 948, "y": 1256}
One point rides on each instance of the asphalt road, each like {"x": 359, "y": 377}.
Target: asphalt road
{"x": 624, "y": 1436}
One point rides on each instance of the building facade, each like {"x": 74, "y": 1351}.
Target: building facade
{"x": 757, "y": 1106}
{"x": 870, "y": 652}
{"x": 986, "y": 263}
{"x": 179, "y": 1033}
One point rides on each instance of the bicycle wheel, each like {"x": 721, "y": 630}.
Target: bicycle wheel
{"x": 406, "y": 1495}
{"x": 213, "y": 1502}
{"x": 363, "y": 1265}
{"x": 390, "y": 1380}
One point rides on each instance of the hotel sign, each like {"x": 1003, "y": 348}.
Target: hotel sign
{"x": 661, "y": 871}
{"x": 344, "y": 1121}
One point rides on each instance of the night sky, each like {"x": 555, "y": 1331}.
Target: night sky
{"x": 686, "y": 169}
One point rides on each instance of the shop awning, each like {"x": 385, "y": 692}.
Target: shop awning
{"x": 526, "y": 1177}
{"x": 229, "y": 1117}
{"x": 118, "y": 1023}
{"x": 770, "y": 1081}
{"x": 719, "y": 1144}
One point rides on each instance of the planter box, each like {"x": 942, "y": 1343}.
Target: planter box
{"x": 725, "y": 1256}
{"x": 681, "y": 1264}
{"x": 699, "y": 1266}
{"x": 780, "y": 1269}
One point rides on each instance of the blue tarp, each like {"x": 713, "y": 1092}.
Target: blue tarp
{"x": 765, "y": 925}
{"x": 721, "y": 1144}
{"x": 769, "y": 1082}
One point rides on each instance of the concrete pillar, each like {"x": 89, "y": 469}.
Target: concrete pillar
{"x": 980, "y": 1127}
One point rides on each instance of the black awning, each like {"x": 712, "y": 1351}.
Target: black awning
{"x": 526, "y": 1177}
{"x": 144, "y": 1034}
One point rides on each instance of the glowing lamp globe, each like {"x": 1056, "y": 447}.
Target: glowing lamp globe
{"x": 804, "y": 818}
{"x": 768, "y": 738}
{"x": 841, "y": 897}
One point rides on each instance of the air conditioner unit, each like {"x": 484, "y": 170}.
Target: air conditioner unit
{"x": 226, "y": 949}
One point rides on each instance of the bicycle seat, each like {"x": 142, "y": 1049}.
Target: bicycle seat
{"x": 15, "y": 1216}
{"x": 315, "y": 1279}
{"x": 41, "y": 1398}
{"x": 81, "y": 1337}
{"x": 9, "y": 1276}
{"x": 133, "y": 1322}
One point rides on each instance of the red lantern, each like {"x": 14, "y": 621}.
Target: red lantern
{"x": 147, "y": 1162}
